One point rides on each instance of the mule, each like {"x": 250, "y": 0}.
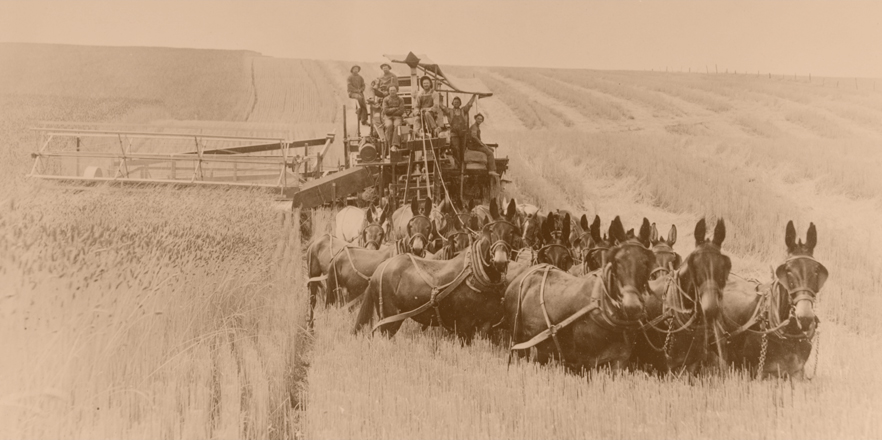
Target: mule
{"x": 462, "y": 295}
{"x": 771, "y": 326}
{"x": 686, "y": 305}
{"x": 413, "y": 224}
{"x": 554, "y": 248}
{"x": 592, "y": 248}
{"x": 667, "y": 260}
{"x": 351, "y": 269}
{"x": 319, "y": 255}
{"x": 375, "y": 231}
{"x": 351, "y": 221}
{"x": 531, "y": 223}
{"x": 582, "y": 322}
{"x": 649, "y": 346}
{"x": 456, "y": 241}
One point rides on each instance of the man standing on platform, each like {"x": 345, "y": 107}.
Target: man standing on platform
{"x": 458, "y": 118}
{"x": 355, "y": 87}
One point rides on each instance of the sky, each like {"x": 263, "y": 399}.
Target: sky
{"x": 823, "y": 38}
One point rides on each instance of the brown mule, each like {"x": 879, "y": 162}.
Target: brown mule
{"x": 374, "y": 233}
{"x": 592, "y": 248}
{"x": 352, "y": 268}
{"x": 649, "y": 347}
{"x": 555, "y": 245}
{"x": 685, "y": 305}
{"x": 667, "y": 260}
{"x": 319, "y": 255}
{"x": 456, "y": 241}
{"x": 770, "y": 326}
{"x": 582, "y": 321}
{"x": 462, "y": 294}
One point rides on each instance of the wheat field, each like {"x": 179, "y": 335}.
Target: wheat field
{"x": 139, "y": 312}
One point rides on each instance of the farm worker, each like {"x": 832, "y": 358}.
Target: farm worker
{"x": 458, "y": 117}
{"x": 476, "y": 144}
{"x": 393, "y": 110}
{"x": 425, "y": 104}
{"x": 381, "y": 88}
{"x": 355, "y": 86}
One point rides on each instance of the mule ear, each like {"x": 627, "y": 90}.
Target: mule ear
{"x": 790, "y": 235}
{"x": 719, "y": 233}
{"x": 617, "y": 231}
{"x": 565, "y": 230}
{"x": 512, "y": 210}
{"x": 595, "y": 229}
{"x": 471, "y": 204}
{"x": 370, "y": 214}
{"x": 427, "y": 206}
{"x": 383, "y": 214}
{"x": 645, "y": 231}
{"x": 494, "y": 210}
{"x": 653, "y": 234}
{"x": 415, "y": 206}
{"x": 486, "y": 222}
{"x": 672, "y": 235}
{"x": 630, "y": 233}
{"x": 700, "y": 232}
{"x": 583, "y": 222}
{"x": 545, "y": 229}
{"x": 811, "y": 238}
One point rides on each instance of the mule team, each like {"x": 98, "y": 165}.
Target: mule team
{"x": 552, "y": 288}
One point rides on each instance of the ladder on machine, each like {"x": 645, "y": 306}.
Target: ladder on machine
{"x": 421, "y": 172}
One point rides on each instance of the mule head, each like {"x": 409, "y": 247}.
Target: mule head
{"x": 531, "y": 227}
{"x": 499, "y": 235}
{"x": 591, "y": 247}
{"x": 420, "y": 228}
{"x": 374, "y": 234}
{"x": 583, "y": 242}
{"x": 801, "y": 275}
{"x": 666, "y": 258}
{"x": 704, "y": 274}
{"x": 630, "y": 263}
{"x": 555, "y": 250}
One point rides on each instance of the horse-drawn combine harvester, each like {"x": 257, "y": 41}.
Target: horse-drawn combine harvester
{"x": 297, "y": 170}
{"x": 451, "y": 255}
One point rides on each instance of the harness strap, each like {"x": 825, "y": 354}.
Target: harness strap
{"x": 433, "y": 302}
{"x": 352, "y": 264}
{"x": 545, "y": 334}
{"x": 552, "y": 329}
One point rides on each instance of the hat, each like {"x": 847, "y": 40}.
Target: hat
{"x": 387, "y": 65}
{"x": 353, "y": 68}
{"x": 482, "y": 116}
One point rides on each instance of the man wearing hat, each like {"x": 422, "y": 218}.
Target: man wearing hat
{"x": 355, "y": 86}
{"x": 476, "y": 144}
{"x": 393, "y": 110}
{"x": 381, "y": 87}
{"x": 458, "y": 117}
{"x": 426, "y": 108}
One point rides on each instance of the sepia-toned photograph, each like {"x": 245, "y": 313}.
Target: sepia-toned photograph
{"x": 440, "y": 219}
